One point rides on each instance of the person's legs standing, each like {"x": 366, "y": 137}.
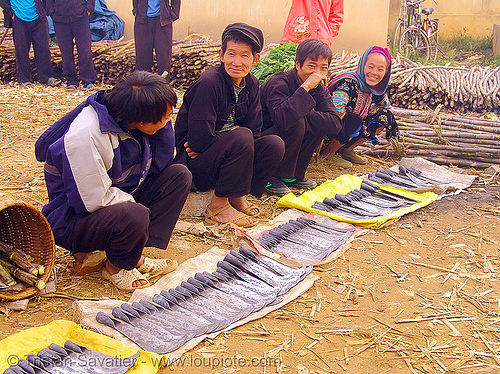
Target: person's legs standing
{"x": 163, "y": 47}
{"x": 64, "y": 35}
{"x": 83, "y": 41}
{"x": 40, "y": 39}
{"x": 143, "y": 36}
{"x": 22, "y": 44}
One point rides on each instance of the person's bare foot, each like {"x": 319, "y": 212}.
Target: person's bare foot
{"x": 221, "y": 211}
{"x": 243, "y": 205}
{"x": 112, "y": 269}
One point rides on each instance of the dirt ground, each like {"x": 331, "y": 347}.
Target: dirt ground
{"x": 420, "y": 295}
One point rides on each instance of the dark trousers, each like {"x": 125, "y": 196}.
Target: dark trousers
{"x": 80, "y": 32}
{"x": 36, "y": 33}
{"x": 124, "y": 229}
{"x": 151, "y": 35}
{"x": 301, "y": 139}
{"x": 237, "y": 164}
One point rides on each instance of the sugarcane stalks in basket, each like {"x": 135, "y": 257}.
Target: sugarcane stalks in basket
{"x": 6, "y": 278}
{"x": 21, "y": 259}
{"x": 22, "y": 275}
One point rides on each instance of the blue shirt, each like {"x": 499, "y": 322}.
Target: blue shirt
{"x": 153, "y": 8}
{"x": 25, "y": 10}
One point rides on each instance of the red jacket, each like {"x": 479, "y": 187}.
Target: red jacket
{"x": 317, "y": 19}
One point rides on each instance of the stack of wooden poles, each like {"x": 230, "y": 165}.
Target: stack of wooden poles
{"x": 445, "y": 139}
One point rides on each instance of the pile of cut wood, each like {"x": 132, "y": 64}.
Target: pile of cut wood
{"x": 113, "y": 60}
{"x": 445, "y": 139}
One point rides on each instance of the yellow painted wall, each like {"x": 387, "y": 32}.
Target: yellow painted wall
{"x": 364, "y": 24}
{"x": 474, "y": 17}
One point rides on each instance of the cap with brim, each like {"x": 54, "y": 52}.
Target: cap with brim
{"x": 254, "y": 34}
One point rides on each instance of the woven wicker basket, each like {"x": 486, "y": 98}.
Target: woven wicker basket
{"x": 24, "y": 227}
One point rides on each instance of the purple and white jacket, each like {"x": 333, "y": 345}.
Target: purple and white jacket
{"x": 91, "y": 163}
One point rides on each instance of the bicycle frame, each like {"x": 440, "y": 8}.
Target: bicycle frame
{"x": 416, "y": 35}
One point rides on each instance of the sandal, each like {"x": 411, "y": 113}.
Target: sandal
{"x": 124, "y": 279}
{"x": 155, "y": 267}
{"x": 241, "y": 219}
{"x": 250, "y": 209}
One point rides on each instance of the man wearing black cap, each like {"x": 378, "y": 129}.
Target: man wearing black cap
{"x": 218, "y": 131}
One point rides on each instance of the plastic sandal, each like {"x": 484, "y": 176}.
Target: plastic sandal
{"x": 155, "y": 267}
{"x": 251, "y": 210}
{"x": 125, "y": 279}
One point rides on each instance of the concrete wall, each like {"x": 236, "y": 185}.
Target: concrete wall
{"x": 473, "y": 17}
{"x": 364, "y": 24}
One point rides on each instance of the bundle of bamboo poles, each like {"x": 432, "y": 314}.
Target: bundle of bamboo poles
{"x": 417, "y": 86}
{"x": 190, "y": 59}
{"x": 15, "y": 264}
{"x": 445, "y": 139}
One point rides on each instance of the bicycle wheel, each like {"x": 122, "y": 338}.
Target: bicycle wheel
{"x": 415, "y": 44}
{"x": 396, "y": 35}
{"x": 434, "y": 46}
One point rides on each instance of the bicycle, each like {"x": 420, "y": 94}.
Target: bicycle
{"x": 414, "y": 37}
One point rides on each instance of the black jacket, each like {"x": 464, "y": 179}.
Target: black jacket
{"x": 169, "y": 10}
{"x": 66, "y": 11}
{"x": 207, "y": 105}
{"x": 8, "y": 12}
{"x": 284, "y": 103}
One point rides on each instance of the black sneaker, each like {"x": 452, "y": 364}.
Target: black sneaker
{"x": 276, "y": 186}
{"x": 299, "y": 183}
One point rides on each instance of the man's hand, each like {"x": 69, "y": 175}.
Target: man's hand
{"x": 190, "y": 152}
{"x": 313, "y": 81}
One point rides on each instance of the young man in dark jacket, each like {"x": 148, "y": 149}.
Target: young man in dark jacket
{"x": 110, "y": 178}
{"x": 218, "y": 130}
{"x": 297, "y": 106}
{"x": 29, "y": 22}
{"x": 71, "y": 21}
{"x": 153, "y": 30}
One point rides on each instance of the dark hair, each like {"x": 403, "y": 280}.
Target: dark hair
{"x": 313, "y": 49}
{"x": 139, "y": 97}
{"x": 238, "y": 38}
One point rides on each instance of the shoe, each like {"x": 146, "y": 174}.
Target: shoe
{"x": 156, "y": 267}
{"x": 71, "y": 87}
{"x": 241, "y": 219}
{"x": 88, "y": 86}
{"x": 338, "y": 161}
{"x": 27, "y": 84}
{"x": 276, "y": 186}
{"x": 350, "y": 155}
{"x": 53, "y": 82}
{"x": 299, "y": 183}
{"x": 125, "y": 279}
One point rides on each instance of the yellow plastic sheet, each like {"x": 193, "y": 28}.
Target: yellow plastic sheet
{"x": 33, "y": 340}
{"x": 344, "y": 184}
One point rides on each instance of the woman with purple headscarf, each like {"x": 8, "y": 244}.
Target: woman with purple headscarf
{"x": 361, "y": 100}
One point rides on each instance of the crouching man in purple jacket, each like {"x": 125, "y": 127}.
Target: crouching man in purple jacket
{"x": 110, "y": 178}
